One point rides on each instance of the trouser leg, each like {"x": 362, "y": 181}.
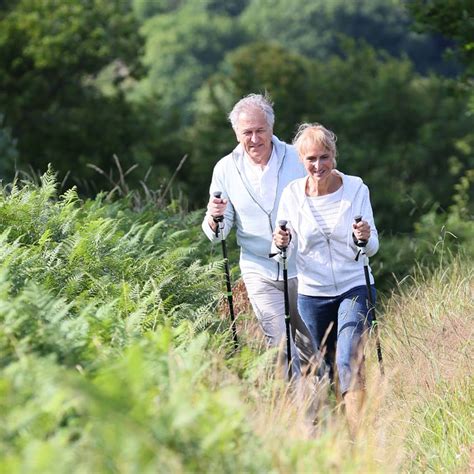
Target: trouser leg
{"x": 352, "y": 328}
{"x": 320, "y": 317}
{"x": 268, "y": 303}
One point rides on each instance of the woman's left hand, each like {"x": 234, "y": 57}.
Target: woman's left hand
{"x": 361, "y": 230}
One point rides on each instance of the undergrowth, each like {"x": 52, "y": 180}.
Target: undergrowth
{"x": 115, "y": 356}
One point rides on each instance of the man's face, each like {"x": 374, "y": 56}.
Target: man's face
{"x": 255, "y": 135}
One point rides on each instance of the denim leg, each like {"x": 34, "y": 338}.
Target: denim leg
{"x": 352, "y": 324}
{"x": 320, "y": 316}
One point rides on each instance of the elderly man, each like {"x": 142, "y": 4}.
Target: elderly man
{"x": 251, "y": 180}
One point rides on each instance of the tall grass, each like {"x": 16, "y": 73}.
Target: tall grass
{"x": 418, "y": 418}
{"x": 430, "y": 340}
{"x": 115, "y": 356}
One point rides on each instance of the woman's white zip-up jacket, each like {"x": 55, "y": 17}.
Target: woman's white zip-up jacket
{"x": 245, "y": 210}
{"x": 326, "y": 264}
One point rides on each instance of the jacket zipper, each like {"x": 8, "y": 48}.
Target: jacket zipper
{"x": 269, "y": 215}
{"x": 328, "y": 241}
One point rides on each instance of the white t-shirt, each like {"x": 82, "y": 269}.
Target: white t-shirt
{"x": 325, "y": 209}
{"x": 263, "y": 180}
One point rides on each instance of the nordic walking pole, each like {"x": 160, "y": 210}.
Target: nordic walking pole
{"x": 219, "y": 220}
{"x": 282, "y": 225}
{"x": 361, "y": 244}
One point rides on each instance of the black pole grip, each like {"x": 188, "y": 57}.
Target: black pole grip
{"x": 217, "y": 194}
{"x": 359, "y": 243}
{"x": 282, "y": 225}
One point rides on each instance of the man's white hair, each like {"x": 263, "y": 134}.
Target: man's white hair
{"x": 253, "y": 101}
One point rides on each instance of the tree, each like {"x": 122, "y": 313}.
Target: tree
{"x": 452, "y": 18}
{"x": 183, "y": 49}
{"x": 8, "y": 149}
{"x": 312, "y": 28}
{"x": 50, "y": 54}
{"x": 145, "y": 9}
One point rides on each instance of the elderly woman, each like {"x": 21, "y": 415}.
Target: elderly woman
{"x": 332, "y": 295}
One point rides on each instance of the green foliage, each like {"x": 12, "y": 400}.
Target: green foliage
{"x": 51, "y": 51}
{"x": 453, "y": 19}
{"x": 313, "y": 28}
{"x": 145, "y": 9}
{"x": 448, "y": 424}
{"x": 102, "y": 272}
{"x": 183, "y": 49}
{"x": 388, "y": 121}
{"x": 112, "y": 356}
{"x": 437, "y": 238}
{"x": 8, "y": 149}
{"x": 73, "y": 88}
{"x": 154, "y": 409}
{"x": 105, "y": 359}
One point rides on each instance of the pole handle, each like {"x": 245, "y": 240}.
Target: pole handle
{"x": 217, "y": 194}
{"x": 282, "y": 225}
{"x": 359, "y": 243}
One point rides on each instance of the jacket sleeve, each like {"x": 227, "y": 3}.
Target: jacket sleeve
{"x": 218, "y": 184}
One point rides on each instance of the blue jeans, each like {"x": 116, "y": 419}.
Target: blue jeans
{"x": 337, "y": 325}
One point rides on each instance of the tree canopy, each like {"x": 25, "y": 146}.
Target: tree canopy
{"x": 453, "y": 18}
{"x": 51, "y": 52}
{"x": 150, "y": 82}
{"x": 183, "y": 49}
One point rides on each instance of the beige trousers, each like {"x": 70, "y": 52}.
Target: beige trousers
{"x": 268, "y": 303}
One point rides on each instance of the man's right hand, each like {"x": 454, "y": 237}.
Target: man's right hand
{"x": 215, "y": 208}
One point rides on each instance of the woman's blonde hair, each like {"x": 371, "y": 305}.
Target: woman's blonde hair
{"x": 310, "y": 134}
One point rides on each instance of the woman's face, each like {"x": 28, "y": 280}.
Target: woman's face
{"x": 318, "y": 162}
